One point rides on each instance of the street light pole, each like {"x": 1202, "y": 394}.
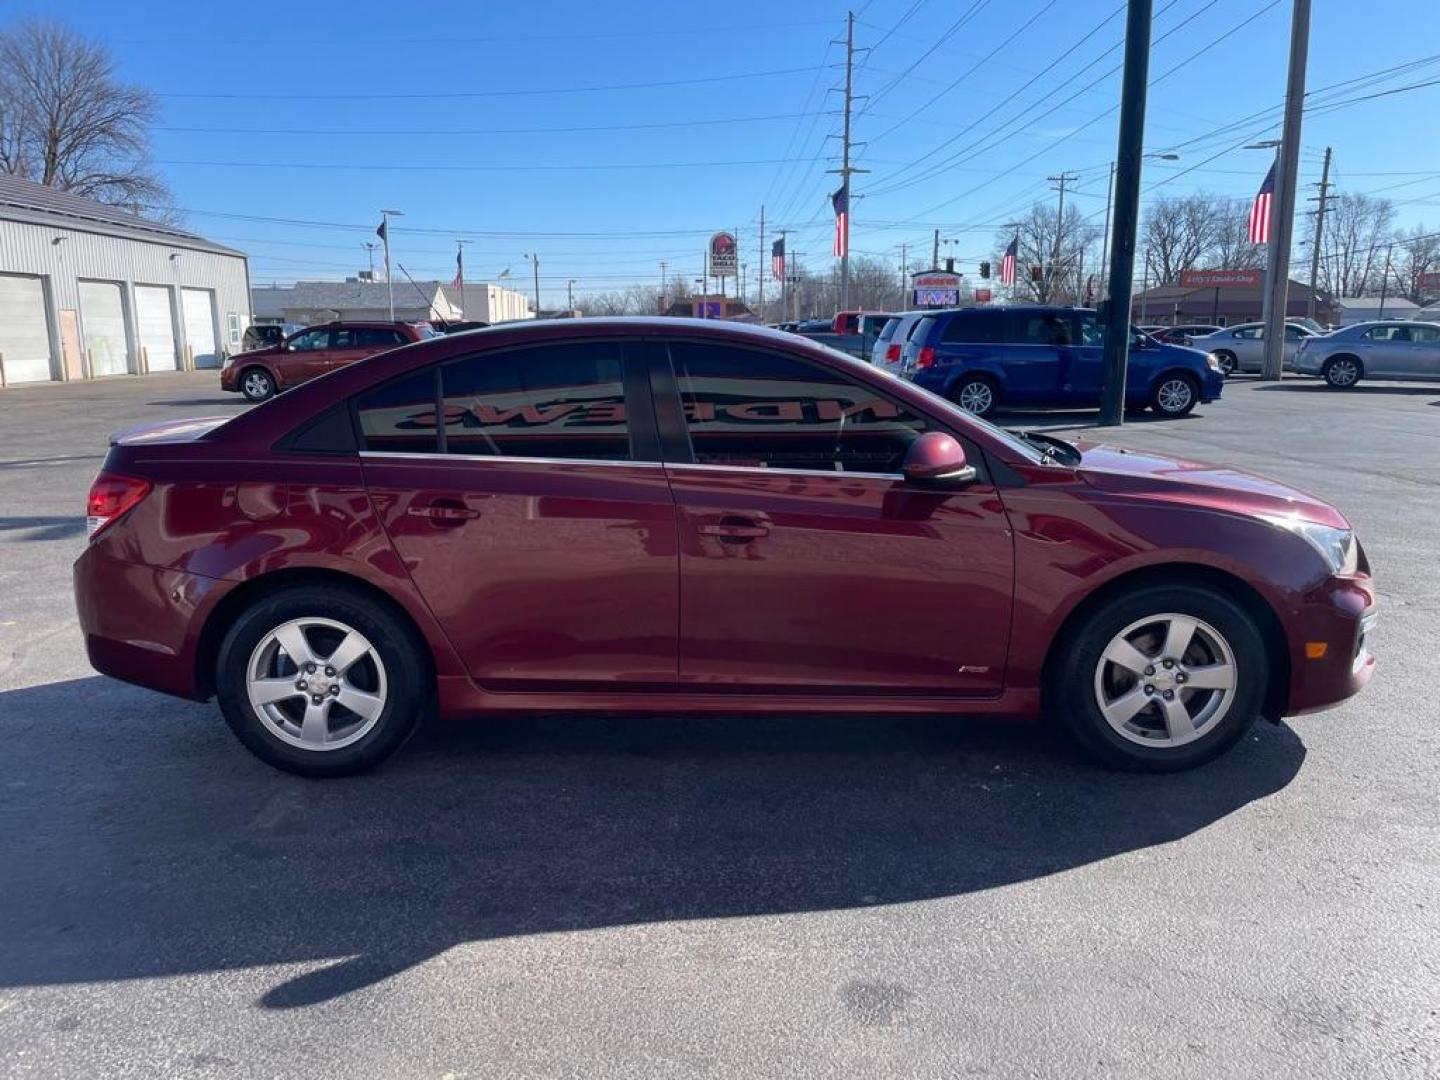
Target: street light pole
{"x": 535, "y": 262}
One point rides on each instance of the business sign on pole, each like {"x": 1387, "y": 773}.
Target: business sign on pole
{"x": 982, "y": 295}
{"x": 724, "y": 255}
{"x": 1222, "y": 279}
{"x": 1430, "y": 279}
{"x": 936, "y": 288}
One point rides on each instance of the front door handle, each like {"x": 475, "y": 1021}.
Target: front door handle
{"x": 734, "y": 529}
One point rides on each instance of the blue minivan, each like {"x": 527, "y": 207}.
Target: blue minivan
{"x": 984, "y": 358}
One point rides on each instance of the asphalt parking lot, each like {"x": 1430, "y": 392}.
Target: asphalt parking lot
{"x": 726, "y": 898}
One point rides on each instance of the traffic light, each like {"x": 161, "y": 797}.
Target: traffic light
{"x": 984, "y": 269}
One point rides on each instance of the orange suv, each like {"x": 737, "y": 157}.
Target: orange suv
{"x": 263, "y": 373}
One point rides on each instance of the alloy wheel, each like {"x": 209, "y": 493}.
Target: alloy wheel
{"x": 316, "y": 684}
{"x": 1342, "y": 372}
{"x": 976, "y": 397}
{"x": 256, "y": 385}
{"x": 1174, "y": 395}
{"x": 1165, "y": 680}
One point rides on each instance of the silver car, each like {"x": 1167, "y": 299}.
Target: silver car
{"x": 891, "y": 344}
{"x": 1242, "y": 347}
{"x": 1373, "y": 350}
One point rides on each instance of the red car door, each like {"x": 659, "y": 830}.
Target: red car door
{"x": 535, "y": 519}
{"x": 806, "y": 561}
{"x": 306, "y": 355}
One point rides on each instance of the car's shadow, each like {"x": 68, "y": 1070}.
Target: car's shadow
{"x": 139, "y": 840}
{"x": 1360, "y": 389}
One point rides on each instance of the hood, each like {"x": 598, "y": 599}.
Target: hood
{"x": 1124, "y": 471}
{"x": 171, "y": 431}
{"x": 268, "y": 350}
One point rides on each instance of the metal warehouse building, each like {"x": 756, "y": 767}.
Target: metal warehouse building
{"x": 88, "y": 290}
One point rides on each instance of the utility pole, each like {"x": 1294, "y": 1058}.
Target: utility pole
{"x": 535, "y": 262}
{"x": 664, "y": 284}
{"x": 904, "y": 276}
{"x": 1385, "y": 280}
{"x": 1054, "y": 269}
{"x": 1282, "y": 225}
{"x": 760, "y": 266}
{"x": 1128, "y": 157}
{"x": 784, "y": 280}
{"x": 1105, "y": 242}
{"x": 846, "y": 169}
{"x": 1322, "y": 201}
{"x": 570, "y": 295}
{"x": 935, "y": 251}
{"x": 460, "y": 271}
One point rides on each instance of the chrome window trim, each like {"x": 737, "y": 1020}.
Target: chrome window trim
{"x": 400, "y": 455}
{"x": 760, "y": 470}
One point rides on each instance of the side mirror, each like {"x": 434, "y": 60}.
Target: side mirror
{"x": 939, "y": 459}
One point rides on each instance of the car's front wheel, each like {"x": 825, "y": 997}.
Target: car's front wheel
{"x": 1175, "y": 395}
{"x": 976, "y": 394}
{"x": 257, "y": 384}
{"x": 321, "y": 680}
{"x": 1341, "y": 372}
{"x": 1163, "y": 678}
{"x": 1227, "y": 361}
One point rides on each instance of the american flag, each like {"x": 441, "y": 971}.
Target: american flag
{"x": 1007, "y": 264}
{"x": 1260, "y": 212}
{"x": 777, "y": 259}
{"x": 841, "y": 201}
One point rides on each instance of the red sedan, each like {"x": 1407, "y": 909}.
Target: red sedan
{"x": 676, "y": 516}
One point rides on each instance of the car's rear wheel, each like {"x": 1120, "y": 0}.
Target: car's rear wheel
{"x": 1342, "y": 372}
{"x": 321, "y": 681}
{"x": 1227, "y": 361}
{"x": 257, "y": 384}
{"x": 976, "y": 394}
{"x": 1175, "y": 394}
{"x": 1160, "y": 679}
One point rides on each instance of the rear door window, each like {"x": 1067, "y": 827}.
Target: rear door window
{"x": 563, "y": 401}
{"x": 974, "y": 328}
{"x": 399, "y": 417}
{"x": 1089, "y": 330}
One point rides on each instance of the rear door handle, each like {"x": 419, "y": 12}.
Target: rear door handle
{"x": 445, "y": 513}
{"x": 734, "y": 530}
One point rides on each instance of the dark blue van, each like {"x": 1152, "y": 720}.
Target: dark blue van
{"x": 984, "y": 358}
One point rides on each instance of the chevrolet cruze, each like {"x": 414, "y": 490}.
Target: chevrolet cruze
{"x": 672, "y": 516}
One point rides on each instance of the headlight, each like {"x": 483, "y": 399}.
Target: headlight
{"x": 1213, "y": 362}
{"x": 1336, "y": 546}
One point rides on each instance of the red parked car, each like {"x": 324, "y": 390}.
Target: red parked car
{"x": 316, "y": 350}
{"x": 684, "y": 516}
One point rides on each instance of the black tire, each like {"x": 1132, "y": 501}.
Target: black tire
{"x": 1167, "y": 399}
{"x": 1342, "y": 372}
{"x": 1072, "y": 688}
{"x": 1227, "y": 361}
{"x": 980, "y": 391}
{"x": 406, "y": 677}
{"x": 256, "y": 384}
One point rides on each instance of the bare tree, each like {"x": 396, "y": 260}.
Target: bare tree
{"x": 1357, "y": 229}
{"x": 1416, "y": 252}
{"x": 1179, "y": 233}
{"x": 1064, "y": 251}
{"x": 1230, "y": 246}
{"x": 68, "y": 122}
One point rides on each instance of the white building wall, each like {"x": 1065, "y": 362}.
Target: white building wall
{"x": 31, "y": 248}
{"x": 495, "y": 303}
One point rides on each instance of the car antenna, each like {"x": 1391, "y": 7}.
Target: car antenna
{"x": 419, "y": 290}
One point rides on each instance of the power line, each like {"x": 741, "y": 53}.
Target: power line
{"x": 431, "y": 167}
{"x": 425, "y": 133}
{"x": 528, "y": 92}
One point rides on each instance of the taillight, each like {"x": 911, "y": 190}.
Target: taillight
{"x": 924, "y": 358}
{"x": 892, "y": 354}
{"x": 111, "y": 495}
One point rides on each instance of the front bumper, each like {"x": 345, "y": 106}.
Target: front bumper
{"x": 1340, "y": 615}
{"x": 142, "y": 624}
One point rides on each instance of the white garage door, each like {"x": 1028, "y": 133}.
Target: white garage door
{"x": 154, "y": 321}
{"x": 24, "y": 336}
{"x": 102, "y": 323}
{"x": 200, "y": 326}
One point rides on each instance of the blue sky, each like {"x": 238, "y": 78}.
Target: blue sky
{"x": 326, "y": 112}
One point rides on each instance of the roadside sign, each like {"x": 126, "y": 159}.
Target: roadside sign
{"x": 1430, "y": 279}
{"x": 1220, "y": 279}
{"x": 724, "y": 255}
{"x": 982, "y": 296}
